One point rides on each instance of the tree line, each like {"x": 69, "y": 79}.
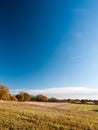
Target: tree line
{"x": 24, "y": 96}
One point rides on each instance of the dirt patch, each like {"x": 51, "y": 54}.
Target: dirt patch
{"x": 46, "y": 104}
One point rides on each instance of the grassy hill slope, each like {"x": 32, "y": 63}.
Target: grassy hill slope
{"x": 21, "y": 116}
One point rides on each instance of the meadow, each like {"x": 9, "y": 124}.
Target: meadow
{"x": 29, "y": 116}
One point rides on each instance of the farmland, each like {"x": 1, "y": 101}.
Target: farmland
{"x": 41, "y": 116}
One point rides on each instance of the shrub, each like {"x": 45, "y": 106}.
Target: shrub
{"x": 13, "y": 98}
{"x": 20, "y": 97}
{"x": 41, "y": 98}
{"x": 52, "y": 99}
{"x": 27, "y": 96}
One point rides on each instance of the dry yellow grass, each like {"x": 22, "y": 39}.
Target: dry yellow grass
{"x": 25, "y": 116}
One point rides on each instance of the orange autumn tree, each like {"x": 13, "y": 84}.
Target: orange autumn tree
{"x": 4, "y": 93}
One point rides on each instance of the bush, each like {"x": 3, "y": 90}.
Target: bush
{"x": 13, "y": 98}
{"x": 27, "y": 96}
{"x": 83, "y": 101}
{"x": 41, "y": 98}
{"x": 52, "y": 99}
{"x": 20, "y": 97}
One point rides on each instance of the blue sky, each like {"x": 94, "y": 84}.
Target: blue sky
{"x": 49, "y": 44}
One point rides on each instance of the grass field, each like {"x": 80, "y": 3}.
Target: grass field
{"x": 25, "y": 116}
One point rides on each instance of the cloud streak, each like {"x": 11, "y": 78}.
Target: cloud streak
{"x": 63, "y": 92}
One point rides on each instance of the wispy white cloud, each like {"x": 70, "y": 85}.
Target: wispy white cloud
{"x": 64, "y": 92}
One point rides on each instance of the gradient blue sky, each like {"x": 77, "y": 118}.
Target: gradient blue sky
{"x": 48, "y": 43}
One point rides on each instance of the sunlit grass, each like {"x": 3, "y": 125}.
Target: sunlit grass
{"x": 17, "y": 116}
